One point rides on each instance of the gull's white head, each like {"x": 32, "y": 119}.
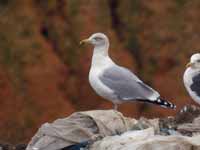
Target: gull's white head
{"x": 97, "y": 39}
{"x": 194, "y": 61}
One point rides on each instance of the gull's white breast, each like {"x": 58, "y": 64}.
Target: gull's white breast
{"x": 187, "y": 79}
{"x": 95, "y": 71}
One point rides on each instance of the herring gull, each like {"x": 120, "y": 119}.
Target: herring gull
{"x": 115, "y": 83}
{"x": 191, "y": 77}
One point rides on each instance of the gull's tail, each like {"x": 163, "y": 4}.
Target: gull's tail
{"x": 161, "y": 102}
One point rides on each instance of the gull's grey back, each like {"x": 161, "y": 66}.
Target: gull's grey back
{"x": 125, "y": 85}
{"x": 195, "y": 86}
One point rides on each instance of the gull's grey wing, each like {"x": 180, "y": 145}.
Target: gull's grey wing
{"x": 195, "y": 86}
{"x": 125, "y": 85}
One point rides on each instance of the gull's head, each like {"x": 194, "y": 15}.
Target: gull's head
{"x": 97, "y": 39}
{"x": 194, "y": 61}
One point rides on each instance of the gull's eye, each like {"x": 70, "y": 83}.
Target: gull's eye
{"x": 98, "y": 38}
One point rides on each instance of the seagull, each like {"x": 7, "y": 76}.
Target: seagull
{"x": 191, "y": 77}
{"x": 115, "y": 83}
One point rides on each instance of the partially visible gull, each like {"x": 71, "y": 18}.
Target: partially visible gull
{"x": 115, "y": 83}
{"x": 191, "y": 77}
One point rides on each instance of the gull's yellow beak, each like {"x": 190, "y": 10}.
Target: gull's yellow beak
{"x": 189, "y": 64}
{"x": 84, "y": 41}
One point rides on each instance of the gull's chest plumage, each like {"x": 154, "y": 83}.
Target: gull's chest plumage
{"x": 187, "y": 77}
{"x": 97, "y": 85}
{"x": 188, "y": 82}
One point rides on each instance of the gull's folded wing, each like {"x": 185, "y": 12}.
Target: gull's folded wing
{"x": 126, "y": 85}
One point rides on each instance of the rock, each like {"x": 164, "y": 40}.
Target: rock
{"x": 5, "y": 146}
{"x": 146, "y": 140}
{"x": 80, "y": 127}
{"x": 109, "y": 129}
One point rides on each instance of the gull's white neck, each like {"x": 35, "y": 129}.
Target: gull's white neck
{"x": 100, "y": 58}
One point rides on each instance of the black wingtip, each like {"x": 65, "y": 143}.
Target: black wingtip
{"x": 165, "y": 103}
{"x": 161, "y": 102}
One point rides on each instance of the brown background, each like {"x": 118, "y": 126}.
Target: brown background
{"x": 44, "y": 71}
